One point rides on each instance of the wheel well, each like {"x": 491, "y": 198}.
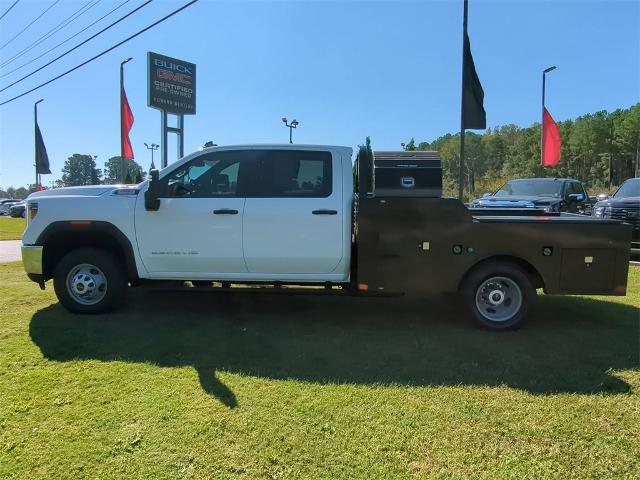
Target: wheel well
{"x": 61, "y": 240}
{"x": 530, "y": 270}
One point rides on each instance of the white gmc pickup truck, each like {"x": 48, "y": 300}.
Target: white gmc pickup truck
{"x": 292, "y": 214}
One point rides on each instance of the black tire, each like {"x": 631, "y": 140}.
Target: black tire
{"x": 111, "y": 276}
{"x": 499, "y": 279}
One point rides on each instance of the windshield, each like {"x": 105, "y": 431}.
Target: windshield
{"x": 630, "y": 188}
{"x": 535, "y": 188}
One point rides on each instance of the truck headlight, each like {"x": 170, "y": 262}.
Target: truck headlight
{"x": 32, "y": 211}
{"x": 548, "y": 208}
{"x": 598, "y": 212}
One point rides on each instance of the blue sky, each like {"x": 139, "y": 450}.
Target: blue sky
{"x": 345, "y": 70}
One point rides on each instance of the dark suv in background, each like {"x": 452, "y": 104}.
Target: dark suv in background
{"x": 548, "y": 194}
{"x": 623, "y": 205}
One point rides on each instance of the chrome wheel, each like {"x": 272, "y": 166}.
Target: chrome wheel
{"x": 498, "y": 299}
{"x": 86, "y": 284}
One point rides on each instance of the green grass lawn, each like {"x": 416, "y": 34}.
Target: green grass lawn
{"x": 11, "y": 228}
{"x": 197, "y": 385}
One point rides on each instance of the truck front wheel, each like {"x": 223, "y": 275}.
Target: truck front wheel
{"x": 499, "y": 295}
{"x": 89, "y": 280}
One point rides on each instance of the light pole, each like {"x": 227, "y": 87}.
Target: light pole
{"x": 35, "y": 118}
{"x": 404, "y": 146}
{"x": 153, "y": 147}
{"x": 544, "y": 81}
{"x": 122, "y": 159}
{"x": 292, "y": 125}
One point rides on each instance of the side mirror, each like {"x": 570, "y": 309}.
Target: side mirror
{"x": 602, "y": 196}
{"x": 151, "y": 200}
{"x": 486, "y": 194}
{"x": 576, "y": 197}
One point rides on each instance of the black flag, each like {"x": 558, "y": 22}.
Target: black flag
{"x": 472, "y": 93}
{"x": 42, "y": 159}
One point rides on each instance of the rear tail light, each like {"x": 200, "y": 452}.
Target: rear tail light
{"x": 32, "y": 211}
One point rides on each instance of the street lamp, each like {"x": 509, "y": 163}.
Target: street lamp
{"x": 544, "y": 81}
{"x": 153, "y": 147}
{"x": 403, "y": 145}
{"x": 292, "y": 125}
{"x": 122, "y": 159}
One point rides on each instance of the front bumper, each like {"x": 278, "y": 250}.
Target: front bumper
{"x": 32, "y": 259}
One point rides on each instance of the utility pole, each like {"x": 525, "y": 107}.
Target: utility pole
{"x": 292, "y": 125}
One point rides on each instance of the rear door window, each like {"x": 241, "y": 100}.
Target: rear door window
{"x": 293, "y": 174}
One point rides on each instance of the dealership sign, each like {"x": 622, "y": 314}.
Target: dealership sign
{"x": 171, "y": 84}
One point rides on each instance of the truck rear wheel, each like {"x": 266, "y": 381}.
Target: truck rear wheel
{"x": 89, "y": 280}
{"x": 499, "y": 295}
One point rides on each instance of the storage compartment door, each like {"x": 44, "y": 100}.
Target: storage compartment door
{"x": 587, "y": 269}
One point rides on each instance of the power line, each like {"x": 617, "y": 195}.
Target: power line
{"x": 9, "y": 9}
{"x": 140, "y": 32}
{"x": 65, "y": 40}
{"x": 75, "y": 15}
{"x": 78, "y": 45}
{"x": 32, "y": 22}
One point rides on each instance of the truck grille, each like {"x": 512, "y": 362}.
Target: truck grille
{"x": 629, "y": 214}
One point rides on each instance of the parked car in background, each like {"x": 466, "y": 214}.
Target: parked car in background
{"x": 624, "y": 205}
{"x": 6, "y": 203}
{"x": 548, "y": 194}
{"x": 18, "y": 209}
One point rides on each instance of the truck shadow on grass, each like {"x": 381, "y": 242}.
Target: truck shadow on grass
{"x": 571, "y": 344}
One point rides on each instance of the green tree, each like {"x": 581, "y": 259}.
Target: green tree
{"x": 80, "y": 170}
{"x": 22, "y": 193}
{"x": 113, "y": 171}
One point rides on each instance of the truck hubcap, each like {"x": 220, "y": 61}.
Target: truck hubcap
{"x": 86, "y": 284}
{"x": 498, "y": 299}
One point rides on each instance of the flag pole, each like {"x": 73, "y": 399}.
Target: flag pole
{"x": 544, "y": 82}
{"x": 35, "y": 130}
{"x": 122, "y": 159}
{"x": 461, "y": 172}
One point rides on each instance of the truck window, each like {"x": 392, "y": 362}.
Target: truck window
{"x": 293, "y": 173}
{"x": 573, "y": 187}
{"x": 211, "y": 175}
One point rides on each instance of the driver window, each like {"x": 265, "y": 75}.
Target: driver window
{"x": 212, "y": 175}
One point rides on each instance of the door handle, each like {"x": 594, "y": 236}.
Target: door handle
{"x": 225, "y": 211}
{"x": 325, "y": 212}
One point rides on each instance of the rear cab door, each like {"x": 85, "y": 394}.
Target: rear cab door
{"x": 296, "y": 224}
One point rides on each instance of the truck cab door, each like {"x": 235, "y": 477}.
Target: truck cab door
{"x": 197, "y": 230}
{"x": 294, "y": 220}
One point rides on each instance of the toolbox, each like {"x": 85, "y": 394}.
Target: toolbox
{"x": 408, "y": 174}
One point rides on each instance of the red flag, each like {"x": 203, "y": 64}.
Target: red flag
{"x": 126, "y": 122}
{"x": 550, "y": 140}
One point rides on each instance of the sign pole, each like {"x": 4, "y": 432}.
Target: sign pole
{"x": 163, "y": 139}
{"x": 181, "y": 136}
{"x": 171, "y": 88}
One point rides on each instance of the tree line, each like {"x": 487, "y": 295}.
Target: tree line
{"x": 81, "y": 169}
{"x": 601, "y": 150}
